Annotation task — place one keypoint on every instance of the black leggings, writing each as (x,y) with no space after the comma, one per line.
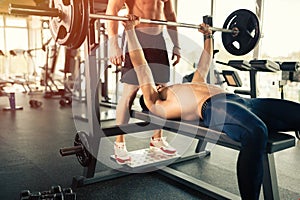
(249,121)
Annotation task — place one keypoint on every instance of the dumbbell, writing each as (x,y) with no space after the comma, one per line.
(55,192)
(35,103)
(25,194)
(40,196)
(58,194)
(68,194)
(65,101)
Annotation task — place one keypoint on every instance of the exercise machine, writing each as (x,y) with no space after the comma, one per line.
(7,83)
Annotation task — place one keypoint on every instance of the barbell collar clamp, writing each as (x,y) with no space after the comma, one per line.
(67,151)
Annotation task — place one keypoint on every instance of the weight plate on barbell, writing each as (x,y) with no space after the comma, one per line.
(84,157)
(63,28)
(247,24)
(83,24)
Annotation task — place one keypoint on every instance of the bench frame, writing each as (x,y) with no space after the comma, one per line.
(203,134)
(278,142)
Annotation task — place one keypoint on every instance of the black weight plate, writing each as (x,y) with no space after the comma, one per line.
(25,193)
(83,23)
(84,157)
(67,191)
(55,189)
(248,36)
(62,102)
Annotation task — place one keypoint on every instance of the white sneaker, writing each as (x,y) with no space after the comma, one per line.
(121,153)
(162,145)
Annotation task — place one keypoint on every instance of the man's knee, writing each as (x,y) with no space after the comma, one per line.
(128,96)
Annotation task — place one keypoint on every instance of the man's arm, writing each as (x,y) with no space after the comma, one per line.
(115,52)
(204,63)
(172,30)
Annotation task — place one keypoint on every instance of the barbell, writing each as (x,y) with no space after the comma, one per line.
(69,22)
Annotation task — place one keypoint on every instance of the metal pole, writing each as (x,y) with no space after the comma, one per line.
(259,12)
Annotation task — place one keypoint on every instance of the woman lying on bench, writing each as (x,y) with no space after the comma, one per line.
(247,121)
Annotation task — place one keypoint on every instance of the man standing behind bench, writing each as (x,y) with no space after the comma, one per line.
(151,38)
(244,120)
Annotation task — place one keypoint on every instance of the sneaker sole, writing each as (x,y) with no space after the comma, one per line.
(152,148)
(121,161)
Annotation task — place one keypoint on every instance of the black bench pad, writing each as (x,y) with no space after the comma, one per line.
(277,140)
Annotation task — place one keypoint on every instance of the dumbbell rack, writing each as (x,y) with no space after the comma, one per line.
(55,193)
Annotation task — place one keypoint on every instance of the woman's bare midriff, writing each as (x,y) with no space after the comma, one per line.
(190,97)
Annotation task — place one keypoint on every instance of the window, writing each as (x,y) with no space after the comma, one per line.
(2,57)
(16,22)
(2,47)
(1,21)
(16,38)
(281,39)
(190,40)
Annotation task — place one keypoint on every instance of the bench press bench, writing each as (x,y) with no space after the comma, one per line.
(94,131)
(277,141)
(195,129)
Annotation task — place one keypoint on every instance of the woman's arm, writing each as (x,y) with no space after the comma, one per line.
(140,64)
(206,56)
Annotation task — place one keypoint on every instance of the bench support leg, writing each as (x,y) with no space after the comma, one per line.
(270,186)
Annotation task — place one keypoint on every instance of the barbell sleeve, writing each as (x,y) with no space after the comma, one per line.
(33,10)
(71,150)
(223,30)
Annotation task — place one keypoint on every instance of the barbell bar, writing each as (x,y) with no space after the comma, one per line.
(54,12)
(160,22)
(241,27)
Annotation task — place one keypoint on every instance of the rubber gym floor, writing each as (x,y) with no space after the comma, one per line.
(30,140)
